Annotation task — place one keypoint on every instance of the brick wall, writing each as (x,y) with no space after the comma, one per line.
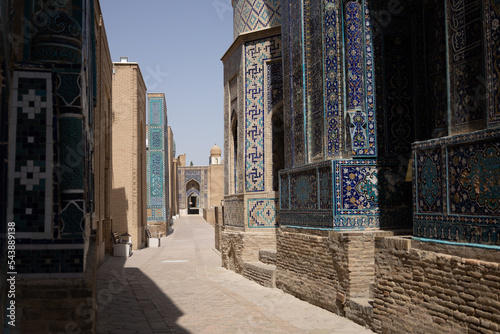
(218,226)
(129,153)
(238,247)
(306,268)
(55,306)
(326,268)
(422,291)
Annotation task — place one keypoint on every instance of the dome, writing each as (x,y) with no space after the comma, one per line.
(215,151)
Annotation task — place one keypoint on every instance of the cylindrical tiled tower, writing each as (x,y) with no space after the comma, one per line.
(250,15)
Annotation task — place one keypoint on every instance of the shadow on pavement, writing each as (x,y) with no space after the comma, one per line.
(128,301)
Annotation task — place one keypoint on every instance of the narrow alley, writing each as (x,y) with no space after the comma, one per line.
(182,288)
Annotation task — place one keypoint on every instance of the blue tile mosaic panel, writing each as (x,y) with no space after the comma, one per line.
(471,182)
(360,104)
(346,195)
(192,175)
(396,84)
(256,53)
(181,189)
(251,15)
(306,196)
(428,167)
(71,163)
(156,139)
(304,190)
(466,55)
(49,261)
(30,192)
(262,213)
(285,192)
(187,175)
(72,219)
(437,92)
(492,17)
(354,54)
(326,190)
(287,104)
(274,84)
(333,117)
(156,108)
(356,187)
(474,179)
(156,191)
(314,79)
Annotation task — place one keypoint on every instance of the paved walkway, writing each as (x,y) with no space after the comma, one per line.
(182,288)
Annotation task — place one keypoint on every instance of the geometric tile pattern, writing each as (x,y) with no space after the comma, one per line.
(274,84)
(313,65)
(356,187)
(256,53)
(156,158)
(304,201)
(345,195)
(429,190)
(492,17)
(262,213)
(196,178)
(293,82)
(31,154)
(370,148)
(456,187)
(333,118)
(251,15)
(359,79)
(474,179)
(465,62)
(354,54)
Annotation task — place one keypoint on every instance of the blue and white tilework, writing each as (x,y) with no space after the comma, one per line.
(456,187)
(156,157)
(252,15)
(256,54)
(262,213)
(31,155)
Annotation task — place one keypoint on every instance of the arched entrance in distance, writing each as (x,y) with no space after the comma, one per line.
(193,197)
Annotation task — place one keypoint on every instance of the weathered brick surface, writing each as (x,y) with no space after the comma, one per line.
(324,268)
(267,256)
(238,247)
(259,272)
(218,226)
(54,306)
(307,269)
(420,291)
(360,310)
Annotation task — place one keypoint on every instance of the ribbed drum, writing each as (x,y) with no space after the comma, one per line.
(252,15)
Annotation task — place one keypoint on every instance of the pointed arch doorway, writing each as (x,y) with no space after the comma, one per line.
(193,197)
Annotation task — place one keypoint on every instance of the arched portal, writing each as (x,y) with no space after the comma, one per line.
(193,197)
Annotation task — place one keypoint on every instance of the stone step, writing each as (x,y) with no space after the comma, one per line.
(360,310)
(262,273)
(267,256)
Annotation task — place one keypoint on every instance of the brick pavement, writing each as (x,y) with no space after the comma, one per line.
(182,288)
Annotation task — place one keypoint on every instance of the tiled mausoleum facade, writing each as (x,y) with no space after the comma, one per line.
(386,113)
(56,93)
(157,163)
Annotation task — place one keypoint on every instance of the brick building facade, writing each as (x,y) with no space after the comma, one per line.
(129,194)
